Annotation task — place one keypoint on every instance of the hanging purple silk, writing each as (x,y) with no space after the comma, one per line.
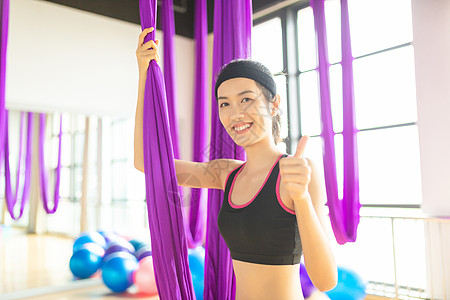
(43,175)
(4,15)
(198,196)
(232,40)
(168,28)
(344,214)
(11,200)
(169,246)
(351,171)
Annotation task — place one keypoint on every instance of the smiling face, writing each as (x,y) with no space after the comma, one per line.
(244,112)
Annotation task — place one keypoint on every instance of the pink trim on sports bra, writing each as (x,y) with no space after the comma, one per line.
(228,176)
(257,193)
(279,197)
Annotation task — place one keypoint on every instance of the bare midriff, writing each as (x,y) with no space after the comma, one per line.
(258,281)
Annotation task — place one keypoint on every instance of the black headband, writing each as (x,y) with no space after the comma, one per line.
(246,69)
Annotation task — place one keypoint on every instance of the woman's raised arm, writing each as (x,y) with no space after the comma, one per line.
(144,53)
(301,184)
(211,174)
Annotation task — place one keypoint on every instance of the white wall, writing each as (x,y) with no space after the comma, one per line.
(67,60)
(63,59)
(431,27)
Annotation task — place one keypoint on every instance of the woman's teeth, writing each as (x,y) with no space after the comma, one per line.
(240,128)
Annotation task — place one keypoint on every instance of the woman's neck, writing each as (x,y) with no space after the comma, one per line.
(260,155)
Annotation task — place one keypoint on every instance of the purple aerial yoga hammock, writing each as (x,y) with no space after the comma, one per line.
(344,214)
(168,27)
(167,232)
(4,15)
(43,175)
(11,200)
(232,40)
(198,196)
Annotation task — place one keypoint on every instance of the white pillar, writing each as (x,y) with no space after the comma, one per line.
(431,29)
(36,215)
(85,180)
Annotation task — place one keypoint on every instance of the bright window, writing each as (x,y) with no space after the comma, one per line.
(384,86)
(378,25)
(267,44)
(267,48)
(386,116)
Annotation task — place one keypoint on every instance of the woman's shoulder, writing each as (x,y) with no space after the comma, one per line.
(223,167)
(226,164)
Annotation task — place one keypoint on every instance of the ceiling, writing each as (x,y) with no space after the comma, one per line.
(128,10)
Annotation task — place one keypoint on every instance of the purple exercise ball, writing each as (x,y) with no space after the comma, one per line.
(307,286)
(109,236)
(119,245)
(142,252)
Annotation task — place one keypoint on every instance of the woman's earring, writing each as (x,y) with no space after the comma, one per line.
(274,111)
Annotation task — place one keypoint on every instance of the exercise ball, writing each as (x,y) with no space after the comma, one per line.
(118,246)
(109,236)
(86,260)
(137,244)
(89,237)
(350,286)
(351,279)
(341,293)
(197,266)
(117,271)
(142,252)
(144,277)
(307,286)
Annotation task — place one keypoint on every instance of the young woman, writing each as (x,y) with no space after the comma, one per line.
(273,208)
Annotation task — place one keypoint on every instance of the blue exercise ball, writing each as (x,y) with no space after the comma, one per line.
(351,279)
(343,293)
(197,266)
(86,260)
(117,271)
(89,237)
(350,286)
(137,244)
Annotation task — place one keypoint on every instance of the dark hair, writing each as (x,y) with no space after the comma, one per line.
(276,120)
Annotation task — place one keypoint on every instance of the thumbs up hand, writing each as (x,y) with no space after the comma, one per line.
(295,174)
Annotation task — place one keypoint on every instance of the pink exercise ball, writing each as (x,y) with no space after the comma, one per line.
(144,277)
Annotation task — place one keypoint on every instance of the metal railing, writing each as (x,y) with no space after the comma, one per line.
(402,254)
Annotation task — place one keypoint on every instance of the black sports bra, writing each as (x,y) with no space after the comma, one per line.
(263,230)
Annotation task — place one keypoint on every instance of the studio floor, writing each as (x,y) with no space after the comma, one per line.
(37,267)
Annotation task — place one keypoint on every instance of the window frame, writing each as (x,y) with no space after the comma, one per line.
(288,16)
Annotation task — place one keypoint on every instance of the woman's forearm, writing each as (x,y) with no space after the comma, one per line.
(138,125)
(319,259)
